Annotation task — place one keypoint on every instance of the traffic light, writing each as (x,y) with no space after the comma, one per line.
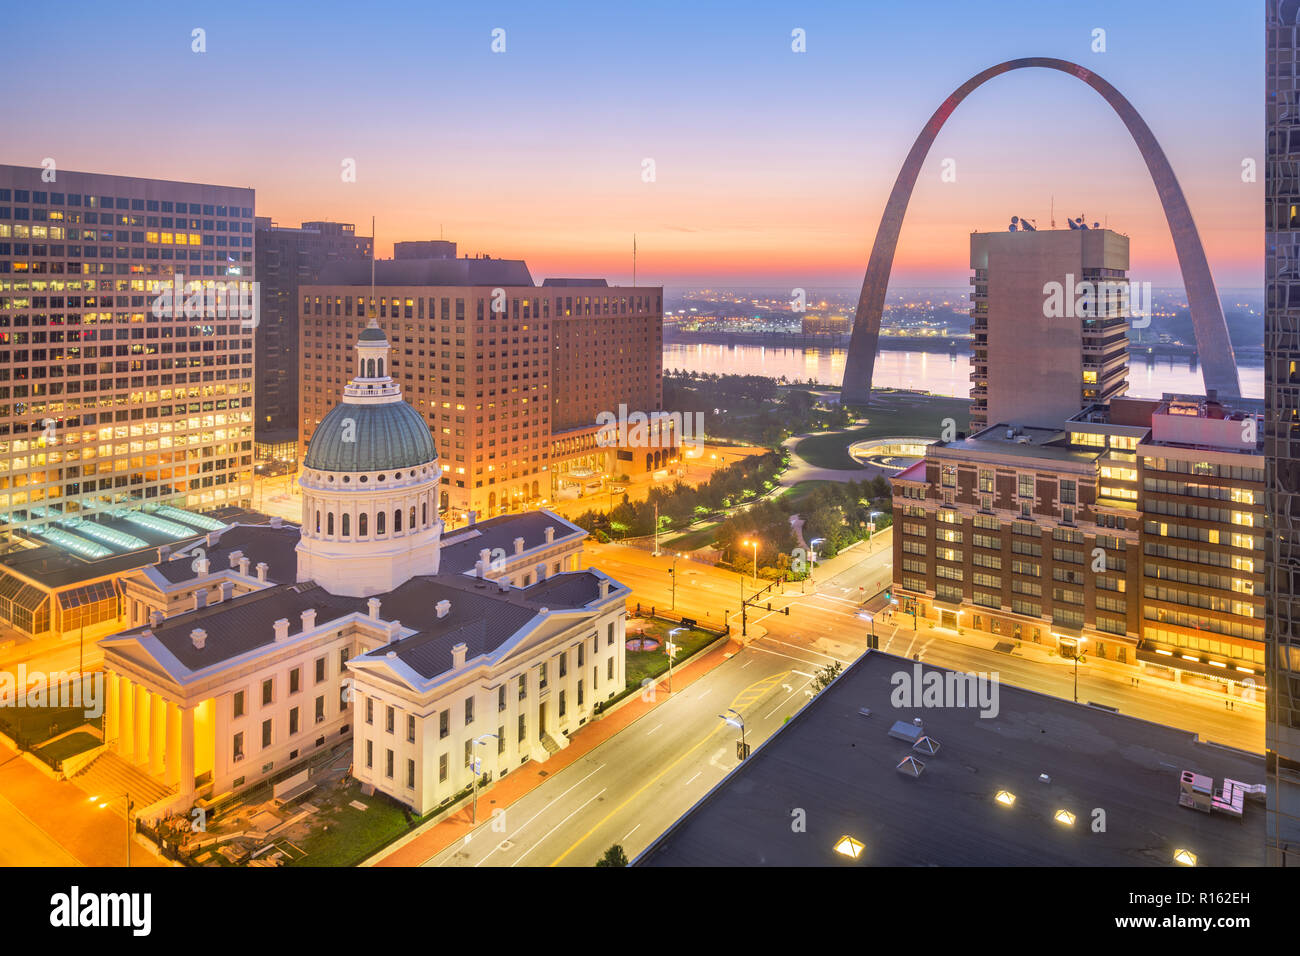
(886,594)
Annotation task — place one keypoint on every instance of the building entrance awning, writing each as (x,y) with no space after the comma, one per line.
(1200,666)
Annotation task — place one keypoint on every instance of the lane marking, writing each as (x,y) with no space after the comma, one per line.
(694,778)
(556,827)
(630,832)
(656,727)
(533,817)
(649,783)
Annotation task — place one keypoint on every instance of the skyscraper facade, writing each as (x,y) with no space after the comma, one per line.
(1049,312)
(509,375)
(114,390)
(1282,431)
(287,257)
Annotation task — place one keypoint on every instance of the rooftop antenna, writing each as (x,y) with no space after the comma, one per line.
(370,311)
(634,260)
(1053,213)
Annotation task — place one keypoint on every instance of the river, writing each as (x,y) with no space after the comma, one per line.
(938,372)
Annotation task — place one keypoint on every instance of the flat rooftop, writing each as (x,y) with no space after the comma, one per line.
(839,768)
(1030,441)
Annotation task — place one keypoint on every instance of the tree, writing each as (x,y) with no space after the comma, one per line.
(825,675)
(614,856)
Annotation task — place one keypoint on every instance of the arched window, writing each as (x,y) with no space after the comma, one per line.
(379,522)
(535,486)
(411,524)
(318,522)
(397,520)
(329,523)
(492,502)
(361,524)
(424,514)
(381,368)
(370,368)
(347,525)
(445,500)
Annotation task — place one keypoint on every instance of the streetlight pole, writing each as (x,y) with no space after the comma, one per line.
(673,572)
(739,722)
(754,544)
(474,768)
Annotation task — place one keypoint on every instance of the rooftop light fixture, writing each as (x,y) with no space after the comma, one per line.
(1065,817)
(847,846)
(1185,857)
(1006,798)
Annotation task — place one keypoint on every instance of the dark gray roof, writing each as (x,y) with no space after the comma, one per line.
(575,589)
(411,272)
(275,546)
(372,333)
(370,438)
(500,532)
(247,622)
(839,766)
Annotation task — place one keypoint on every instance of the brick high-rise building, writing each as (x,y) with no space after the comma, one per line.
(286,258)
(1135,529)
(509,375)
(1038,359)
(107,403)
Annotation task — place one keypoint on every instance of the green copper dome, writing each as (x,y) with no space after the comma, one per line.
(372,334)
(370,438)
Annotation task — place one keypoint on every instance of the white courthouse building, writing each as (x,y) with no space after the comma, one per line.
(251,650)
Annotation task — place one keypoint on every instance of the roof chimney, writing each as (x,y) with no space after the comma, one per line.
(213,538)
(373,605)
(156,618)
(277,521)
(541,573)
(458,655)
(227,590)
(519,545)
(200,599)
(308,619)
(604,588)
(243,566)
(281,630)
(550,534)
(164,553)
(443,608)
(394,630)
(198,637)
(261,571)
(235,558)
(485,559)
(473,517)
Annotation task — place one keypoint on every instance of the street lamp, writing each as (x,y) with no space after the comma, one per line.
(474,765)
(812,560)
(753,544)
(738,722)
(673,572)
(671,648)
(1074,643)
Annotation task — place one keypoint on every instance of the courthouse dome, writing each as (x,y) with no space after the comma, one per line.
(370,438)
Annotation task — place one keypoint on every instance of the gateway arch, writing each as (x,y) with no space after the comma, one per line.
(1218,364)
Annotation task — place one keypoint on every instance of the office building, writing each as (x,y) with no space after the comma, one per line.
(1134,532)
(122,385)
(509,375)
(1282,428)
(1049,313)
(286,258)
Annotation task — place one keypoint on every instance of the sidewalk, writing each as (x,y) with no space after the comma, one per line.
(62,813)
(414,850)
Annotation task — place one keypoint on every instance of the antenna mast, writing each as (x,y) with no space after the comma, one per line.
(634,260)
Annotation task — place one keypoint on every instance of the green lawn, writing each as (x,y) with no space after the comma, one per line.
(38,724)
(643,664)
(797,493)
(699,538)
(891,414)
(352,834)
(68,746)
